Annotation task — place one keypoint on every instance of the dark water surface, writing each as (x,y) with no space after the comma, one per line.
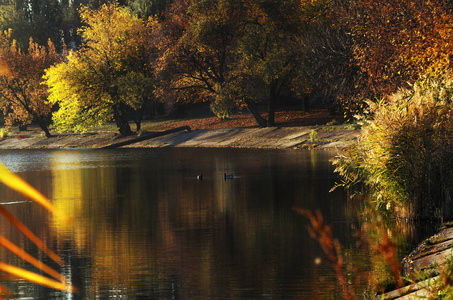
(145,228)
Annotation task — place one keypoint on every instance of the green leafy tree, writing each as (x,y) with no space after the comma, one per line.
(23,97)
(269,53)
(41,20)
(6,12)
(108,76)
(57,20)
(235,53)
(147,8)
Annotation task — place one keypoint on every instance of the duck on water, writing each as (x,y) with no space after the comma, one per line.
(228,176)
(225,176)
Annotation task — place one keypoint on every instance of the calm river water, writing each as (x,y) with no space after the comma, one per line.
(144,227)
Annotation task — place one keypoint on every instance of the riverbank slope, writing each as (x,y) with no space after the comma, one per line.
(320,137)
(295,129)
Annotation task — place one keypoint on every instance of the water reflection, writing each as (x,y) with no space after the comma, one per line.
(144,226)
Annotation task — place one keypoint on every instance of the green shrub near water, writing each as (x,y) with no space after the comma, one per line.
(404,156)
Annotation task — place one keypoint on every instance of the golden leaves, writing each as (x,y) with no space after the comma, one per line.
(4,69)
(112,70)
(409,37)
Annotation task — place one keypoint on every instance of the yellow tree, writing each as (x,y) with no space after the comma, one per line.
(108,76)
(24,98)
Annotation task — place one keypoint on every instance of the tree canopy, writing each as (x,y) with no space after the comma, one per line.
(197,41)
(108,76)
(23,97)
(270,56)
(397,42)
(231,54)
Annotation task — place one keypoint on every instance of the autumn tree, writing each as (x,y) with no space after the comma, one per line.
(236,53)
(330,74)
(226,53)
(397,41)
(108,76)
(293,49)
(269,52)
(23,97)
(198,42)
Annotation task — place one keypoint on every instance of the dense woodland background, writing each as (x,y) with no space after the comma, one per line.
(120,61)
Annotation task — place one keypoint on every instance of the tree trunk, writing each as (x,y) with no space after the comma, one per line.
(274,93)
(138,116)
(123,126)
(306,103)
(121,121)
(138,125)
(42,124)
(271,111)
(254,111)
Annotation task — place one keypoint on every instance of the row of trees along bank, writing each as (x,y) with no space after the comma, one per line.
(124,56)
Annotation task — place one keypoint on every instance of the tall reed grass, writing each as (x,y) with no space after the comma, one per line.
(404,156)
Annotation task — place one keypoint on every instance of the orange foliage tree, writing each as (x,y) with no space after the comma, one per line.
(397,41)
(23,97)
(197,41)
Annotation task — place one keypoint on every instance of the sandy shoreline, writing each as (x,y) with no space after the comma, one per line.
(319,137)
